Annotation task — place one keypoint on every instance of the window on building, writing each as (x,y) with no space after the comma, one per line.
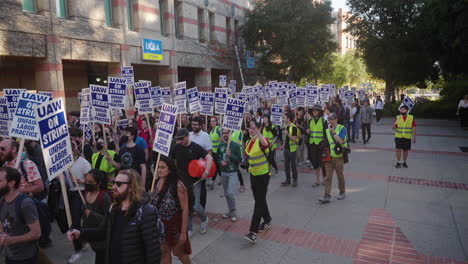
(177,18)
(61,8)
(108,10)
(162,19)
(347,42)
(211,22)
(236,32)
(201,25)
(228,31)
(29,5)
(129,14)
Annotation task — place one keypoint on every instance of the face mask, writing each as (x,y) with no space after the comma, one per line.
(403,113)
(124,139)
(90,187)
(99,146)
(4,191)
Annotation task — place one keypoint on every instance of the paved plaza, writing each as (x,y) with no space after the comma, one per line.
(413,215)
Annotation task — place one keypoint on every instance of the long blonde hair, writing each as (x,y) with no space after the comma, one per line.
(135,191)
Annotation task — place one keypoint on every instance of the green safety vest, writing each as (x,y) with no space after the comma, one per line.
(316,131)
(105,166)
(269,135)
(214,136)
(258,162)
(405,128)
(332,142)
(293,144)
(237,137)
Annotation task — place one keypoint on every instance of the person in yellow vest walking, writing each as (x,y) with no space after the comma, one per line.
(215,136)
(291,141)
(336,136)
(107,161)
(316,132)
(405,129)
(270,132)
(259,168)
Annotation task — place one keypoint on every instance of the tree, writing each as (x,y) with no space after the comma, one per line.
(392,47)
(292,37)
(348,69)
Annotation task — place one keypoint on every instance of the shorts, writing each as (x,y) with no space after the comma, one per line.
(315,156)
(403,143)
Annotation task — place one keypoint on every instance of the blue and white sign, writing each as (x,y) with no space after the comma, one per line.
(341,92)
(4,119)
(55,140)
(180,97)
(324,93)
(277,114)
(234,114)
(163,138)
(282,94)
(193,100)
(87,131)
(127,74)
(349,96)
(166,95)
(292,98)
(244,97)
(207,103)
(301,95)
(220,100)
(122,124)
(312,95)
(50,94)
(100,104)
(233,86)
(273,86)
(222,80)
(12,99)
(408,102)
(143,97)
(117,92)
(152,49)
(24,121)
(156,96)
(250,59)
(362,94)
(85,113)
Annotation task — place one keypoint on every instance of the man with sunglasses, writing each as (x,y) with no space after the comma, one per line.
(185,151)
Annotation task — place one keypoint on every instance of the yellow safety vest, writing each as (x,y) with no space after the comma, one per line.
(292,144)
(405,128)
(316,131)
(269,135)
(332,142)
(105,165)
(237,137)
(214,136)
(258,162)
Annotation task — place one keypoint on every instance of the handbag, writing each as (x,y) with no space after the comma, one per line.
(340,149)
(325,154)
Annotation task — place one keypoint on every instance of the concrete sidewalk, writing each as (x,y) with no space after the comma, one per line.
(414,215)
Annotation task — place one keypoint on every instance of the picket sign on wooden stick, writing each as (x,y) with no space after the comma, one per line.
(105,137)
(148,124)
(65,199)
(155,175)
(20,150)
(93,134)
(180,120)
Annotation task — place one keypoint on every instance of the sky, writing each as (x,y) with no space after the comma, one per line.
(339,4)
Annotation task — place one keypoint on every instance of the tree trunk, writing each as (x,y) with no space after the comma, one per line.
(389,90)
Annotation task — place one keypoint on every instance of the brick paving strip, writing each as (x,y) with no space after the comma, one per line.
(382,241)
(422,135)
(450,153)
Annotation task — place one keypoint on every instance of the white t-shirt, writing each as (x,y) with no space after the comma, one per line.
(462,104)
(78,170)
(351,114)
(379,105)
(203,139)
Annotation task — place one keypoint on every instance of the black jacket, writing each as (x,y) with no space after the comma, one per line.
(140,238)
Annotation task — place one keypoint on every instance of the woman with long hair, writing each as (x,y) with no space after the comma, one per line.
(171,198)
(270,132)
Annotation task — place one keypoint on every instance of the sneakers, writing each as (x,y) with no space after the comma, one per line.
(299,164)
(294,184)
(233,216)
(190,233)
(341,196)
(405,165)
(264,226)
(210,186)
(276,172)
(242,188)
(307,161)
(285,183)
(324,199)
(398,165)
(204,226)
(75,257)
(251,237)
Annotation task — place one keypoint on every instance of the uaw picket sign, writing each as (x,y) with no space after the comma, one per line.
(143,97)
(277,114)
(55,140)
(193,100)
(220,100)
(222,80)
(117,92)
(166,125)
(301,94)
(122,124)
(156,99)
(100,104)
(12,99)
(4,119)
(24,121)
(127,74)
(207,103)
(180,97)
(234,114)
(244,97)
(85,112)
(166,95)
(87,132)
(312,95)
(47,93)
(408,102)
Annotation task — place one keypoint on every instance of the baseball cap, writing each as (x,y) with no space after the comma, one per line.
(182,132)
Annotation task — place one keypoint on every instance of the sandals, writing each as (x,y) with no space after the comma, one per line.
(315,185)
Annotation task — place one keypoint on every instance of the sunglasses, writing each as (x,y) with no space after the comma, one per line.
(119,183)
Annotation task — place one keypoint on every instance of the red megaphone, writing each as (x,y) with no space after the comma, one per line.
(197,167)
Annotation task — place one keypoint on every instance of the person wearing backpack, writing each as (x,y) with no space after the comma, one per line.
(131,228)
(19,220)
(291,142)
(98,202)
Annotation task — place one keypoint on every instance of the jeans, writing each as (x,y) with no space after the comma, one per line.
(273,160)
(357,125)
(336,164)
(197,207)
(240,177)
(229,180)
(378,114)
(290,164)
(301,150)
(75,209)
(366,128)
(350,126)
(259,186)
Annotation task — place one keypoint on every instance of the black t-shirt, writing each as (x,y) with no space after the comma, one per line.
(183,156)
(120,221)
(131,158)
(294,133)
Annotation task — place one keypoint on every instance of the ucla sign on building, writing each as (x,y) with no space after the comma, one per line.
(152,50)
